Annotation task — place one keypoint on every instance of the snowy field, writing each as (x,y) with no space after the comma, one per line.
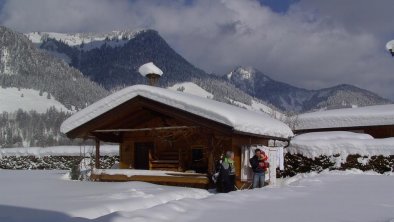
(42,196)
(12,99)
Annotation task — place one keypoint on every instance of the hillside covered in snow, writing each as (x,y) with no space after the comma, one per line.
(12,99)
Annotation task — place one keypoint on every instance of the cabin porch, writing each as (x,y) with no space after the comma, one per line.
(180,156)
(172,178)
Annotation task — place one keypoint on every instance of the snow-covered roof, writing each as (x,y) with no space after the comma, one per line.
(315,144)
(390,45)
(239,119)
(149,68)
(350,117)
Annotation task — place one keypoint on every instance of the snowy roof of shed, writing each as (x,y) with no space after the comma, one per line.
(390,45)
(239,119)
(380,115)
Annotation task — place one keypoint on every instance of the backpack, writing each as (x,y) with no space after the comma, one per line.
(218,168)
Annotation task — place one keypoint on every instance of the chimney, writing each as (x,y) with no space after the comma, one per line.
(151,72)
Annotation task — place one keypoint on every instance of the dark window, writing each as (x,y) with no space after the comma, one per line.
(197,155)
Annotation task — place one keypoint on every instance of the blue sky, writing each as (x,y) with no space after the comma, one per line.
(280,6)
(307,43)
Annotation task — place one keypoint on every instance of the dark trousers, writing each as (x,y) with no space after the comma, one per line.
(229,184)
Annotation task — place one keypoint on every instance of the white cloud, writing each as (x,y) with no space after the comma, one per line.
(315,44)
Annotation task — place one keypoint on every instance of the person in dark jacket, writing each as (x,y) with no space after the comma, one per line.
(227,173)
(258,163)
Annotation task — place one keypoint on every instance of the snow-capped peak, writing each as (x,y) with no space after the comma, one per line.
(85,41)
(242,73)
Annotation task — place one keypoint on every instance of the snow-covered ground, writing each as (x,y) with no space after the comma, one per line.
(11,99)
(41,196)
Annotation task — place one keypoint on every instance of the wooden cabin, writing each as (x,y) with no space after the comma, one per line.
(377,121)
(176,135)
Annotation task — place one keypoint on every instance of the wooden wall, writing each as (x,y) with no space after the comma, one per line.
(165,146)
(213,145)
(237,142)
(375,131)
(380,132)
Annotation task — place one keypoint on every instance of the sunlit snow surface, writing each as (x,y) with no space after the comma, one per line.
(46,196)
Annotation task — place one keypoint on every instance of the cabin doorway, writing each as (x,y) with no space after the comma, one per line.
(141,155)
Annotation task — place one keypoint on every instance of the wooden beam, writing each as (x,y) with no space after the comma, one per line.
(145,129)
(211,161)
(261,136)
(114,137)
(97,160)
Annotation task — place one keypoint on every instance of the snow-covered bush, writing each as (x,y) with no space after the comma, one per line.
(338,151)
(297,163)
(49,162)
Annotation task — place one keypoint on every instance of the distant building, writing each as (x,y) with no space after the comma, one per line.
(377,121)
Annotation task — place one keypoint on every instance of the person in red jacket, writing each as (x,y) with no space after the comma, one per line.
(264,163)
(259,163)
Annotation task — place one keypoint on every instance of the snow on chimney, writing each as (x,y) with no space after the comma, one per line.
(150,71)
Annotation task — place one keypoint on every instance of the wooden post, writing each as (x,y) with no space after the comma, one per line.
(211,161)
(97,160)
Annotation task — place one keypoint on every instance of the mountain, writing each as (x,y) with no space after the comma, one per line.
(38,91)
(112,59)
(42,83)
(24,66)
(294,99)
